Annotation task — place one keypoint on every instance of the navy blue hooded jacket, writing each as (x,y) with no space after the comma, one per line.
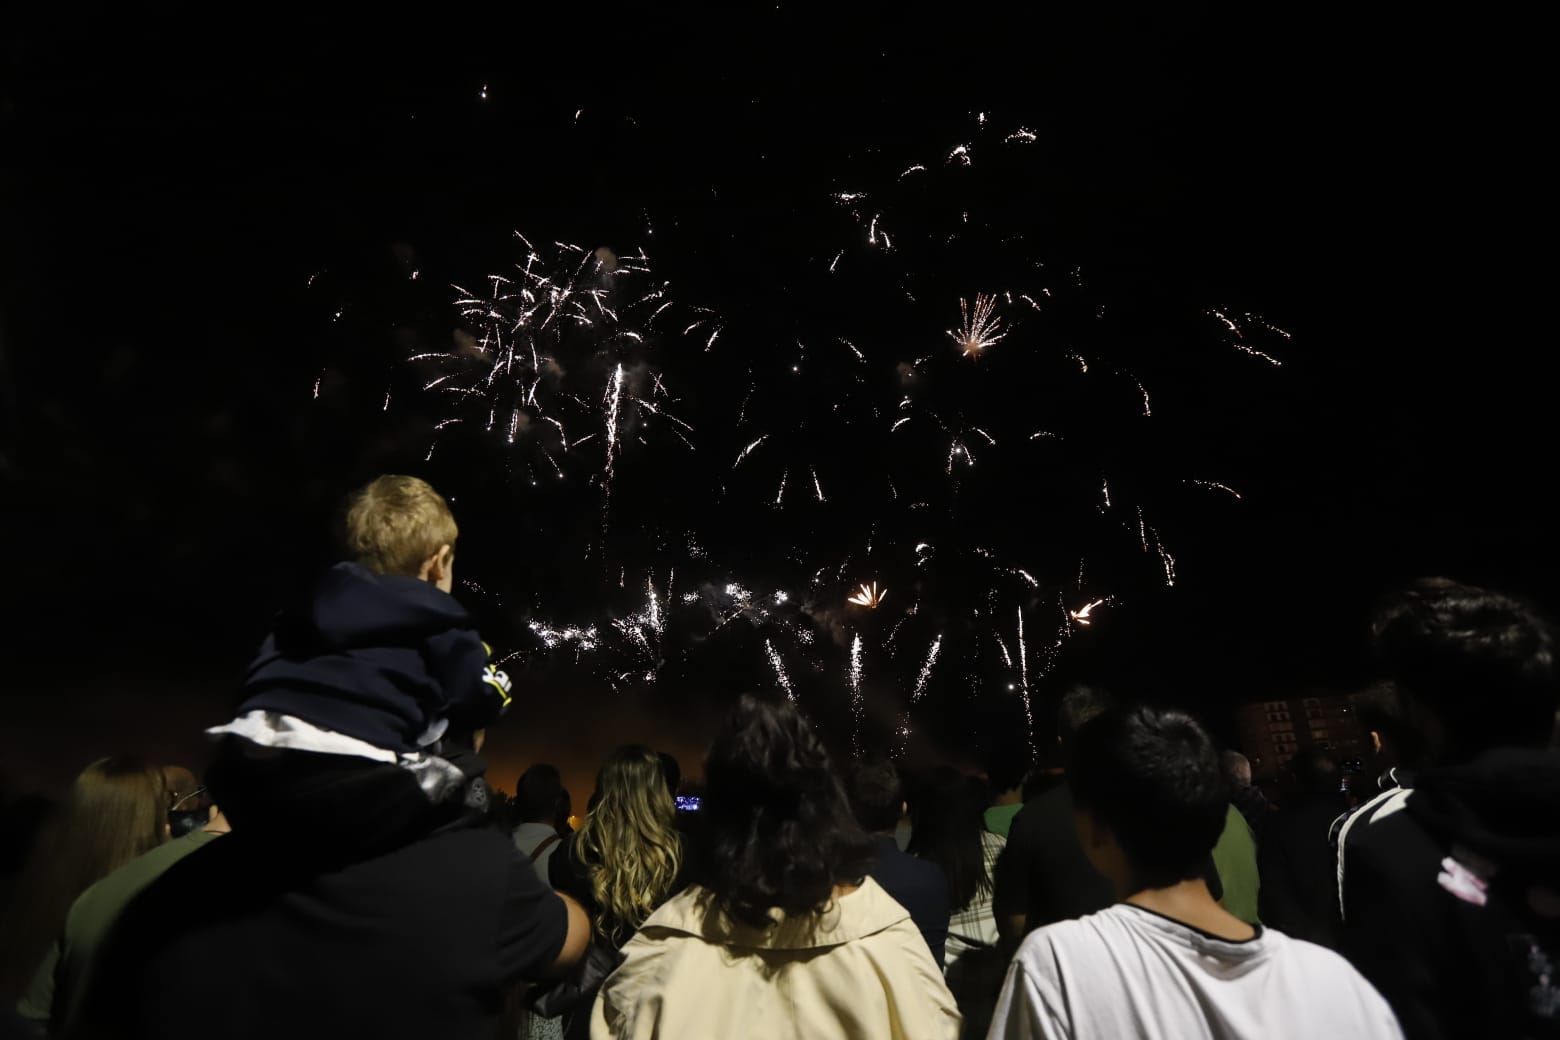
(379,657)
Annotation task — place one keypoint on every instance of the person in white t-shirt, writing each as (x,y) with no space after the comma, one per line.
(1167,961)
(542,805)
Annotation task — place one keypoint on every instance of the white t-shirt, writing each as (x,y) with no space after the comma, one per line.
(528,838)
(1129,972)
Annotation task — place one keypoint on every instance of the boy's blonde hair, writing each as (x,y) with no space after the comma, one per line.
(394,523)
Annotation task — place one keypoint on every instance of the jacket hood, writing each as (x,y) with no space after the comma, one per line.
(382,658)
(352,608)
(866,911)
(1500,805)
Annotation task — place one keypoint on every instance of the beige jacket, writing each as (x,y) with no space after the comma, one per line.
(858,970)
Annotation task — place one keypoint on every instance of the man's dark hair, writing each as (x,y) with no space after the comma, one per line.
(776,828)
(1007,766)
(1078,705)
(539,796)
(877,795)
(1317,773)
(1482,662)
(670,771)
(1152,776)
(1379,708)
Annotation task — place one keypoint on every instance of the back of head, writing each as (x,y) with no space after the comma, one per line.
(1481,664)
(877,794)
(395,523)
(1152,776)
(117,810)
(776,826)
(539,795)
(1237,769)
(629,841)
(1078,705)
(670,770)
(1317,774)
(1007,766)
(947,830)
(1379,709)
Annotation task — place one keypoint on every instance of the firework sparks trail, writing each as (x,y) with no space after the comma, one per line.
(979,328)
(780,495)
(1023,679)
(857,704)
(836,261)
(902,731)
(1238,337)
(818,487)
(854,349)
(779,666)
(926,670)
(1214,484)
(1164,558)
(1023,135)
(745,452)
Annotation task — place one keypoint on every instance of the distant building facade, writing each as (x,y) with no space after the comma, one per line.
(1271,732)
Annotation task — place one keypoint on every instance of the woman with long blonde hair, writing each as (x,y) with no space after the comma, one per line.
(117,809)
(622,864)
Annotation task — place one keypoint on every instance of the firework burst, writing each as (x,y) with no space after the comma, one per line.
(979,328)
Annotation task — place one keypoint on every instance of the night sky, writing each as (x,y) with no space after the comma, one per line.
(171,186)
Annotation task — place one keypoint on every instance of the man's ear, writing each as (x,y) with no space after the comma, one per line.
(435,567)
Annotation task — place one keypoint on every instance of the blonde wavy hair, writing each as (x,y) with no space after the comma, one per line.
(629,842)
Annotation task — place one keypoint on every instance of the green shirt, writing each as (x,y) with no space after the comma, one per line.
(999,818)
(62,978)
(1235,856)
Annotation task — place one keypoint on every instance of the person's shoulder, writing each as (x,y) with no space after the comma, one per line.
(1044,943)
(1387,831)
(1326,970)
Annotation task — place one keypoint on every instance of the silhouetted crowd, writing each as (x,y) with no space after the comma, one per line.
(345,870)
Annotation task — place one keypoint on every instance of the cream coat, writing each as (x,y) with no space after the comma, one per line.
(858,970)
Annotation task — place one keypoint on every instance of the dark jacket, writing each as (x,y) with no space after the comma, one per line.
(1450,903)
(253,937)
(1042,873)
(379,657)
(1299,871)
(916,885)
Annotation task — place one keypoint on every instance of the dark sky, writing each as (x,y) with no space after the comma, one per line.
(170,186)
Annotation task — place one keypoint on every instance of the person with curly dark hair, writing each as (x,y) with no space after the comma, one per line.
(783,933)
(1450,895)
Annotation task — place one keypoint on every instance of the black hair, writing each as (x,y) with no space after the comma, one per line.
(1152,776)
(670,771)
(1379,708)
(1316,771)
(1007,765)
(877,794)
(1078,705)
(947,830)
(539,796)
(776,829)
(1480,661)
